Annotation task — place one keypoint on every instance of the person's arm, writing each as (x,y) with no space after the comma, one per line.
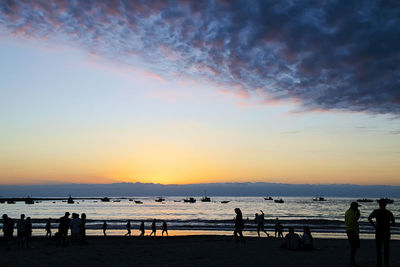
(262,212)
(392,222)
(370,217)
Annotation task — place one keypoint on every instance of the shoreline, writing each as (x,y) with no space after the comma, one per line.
(201,250)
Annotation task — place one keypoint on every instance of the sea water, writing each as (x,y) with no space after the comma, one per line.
(325,218)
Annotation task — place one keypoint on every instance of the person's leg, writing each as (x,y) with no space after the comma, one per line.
(378,241)
(386,247)
(235,234)
(258,231)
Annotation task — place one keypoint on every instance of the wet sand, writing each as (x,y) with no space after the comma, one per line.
(189,251)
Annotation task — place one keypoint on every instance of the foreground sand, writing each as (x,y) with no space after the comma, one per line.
(189,251)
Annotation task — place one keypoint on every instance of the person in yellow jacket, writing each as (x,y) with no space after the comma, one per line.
(353,233)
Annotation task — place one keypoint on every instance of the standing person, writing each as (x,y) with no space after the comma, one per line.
(75,223)
(48,228)
(63,228)
(28,231)
(239,225)
(128,227)
(82,229)
(141,228)
(164,228)
(8,230)
(21,235)
(260,223)
(353,233)
(384,219)
(153,228)
(278,228)
(104,228)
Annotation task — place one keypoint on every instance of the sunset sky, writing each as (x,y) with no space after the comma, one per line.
(199,91)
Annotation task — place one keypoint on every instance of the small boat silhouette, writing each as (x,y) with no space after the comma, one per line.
(364,200)
(10,202)
(279,200)
(29,200)
(205,198)
(138,202)
(319,199)
(160,199)
(189,200)
(268,198)
(70,200)
(105,199)
(225,201)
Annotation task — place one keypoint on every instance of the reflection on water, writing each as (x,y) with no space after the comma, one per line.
(212,217)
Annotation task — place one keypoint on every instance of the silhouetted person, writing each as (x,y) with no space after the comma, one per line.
(164,228)
(384,219)
(353,233)
(278,228)
(28,231)
(48,228)
(128,227)
(82,229)
(21,228)
(104,228)
(307,240)
(239,225)
(63,228)
(8,230)
(75,223)
(259,221)
(141,228)
(153,228)
(292,240)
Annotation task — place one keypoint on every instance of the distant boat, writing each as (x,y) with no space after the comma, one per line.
(10,202)
(225,201)
(138,202)
(177,200)
(160,199)
(364,200)
(2,201)
(130,199)
(29,200)
(279,200)
(105,199)
(268,198)
(189,200)
(117,200)
(205,198)
(70,200)
(319,199)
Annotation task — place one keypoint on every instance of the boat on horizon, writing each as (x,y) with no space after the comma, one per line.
(29,201)
(159,199)
(279,200)
(225,201)
(10,202)
(268,198)
(319,199)
(138,202)
(189,200)
(105,199)
(70,200)
(361,200)
(205,198)
(117,200)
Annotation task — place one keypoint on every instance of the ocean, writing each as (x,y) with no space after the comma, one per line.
(325,218)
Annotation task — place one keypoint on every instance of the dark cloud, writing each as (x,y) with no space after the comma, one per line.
(326,54)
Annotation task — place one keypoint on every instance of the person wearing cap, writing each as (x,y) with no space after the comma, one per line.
(353,233)
(384,219)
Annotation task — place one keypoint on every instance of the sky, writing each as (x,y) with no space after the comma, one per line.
(199,92)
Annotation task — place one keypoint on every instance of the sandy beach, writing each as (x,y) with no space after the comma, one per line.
(189,251)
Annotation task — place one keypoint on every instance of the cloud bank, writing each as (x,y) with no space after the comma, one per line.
(324,54)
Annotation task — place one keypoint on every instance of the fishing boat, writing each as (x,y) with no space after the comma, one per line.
(29,200)
(138,202)
(177,200)
(105,199)
(160,199)
(117,200)
(268,198)
(70,200)
(225,201)
(364,200)
(189,200)
(319,199)
(279,200)
(205,198)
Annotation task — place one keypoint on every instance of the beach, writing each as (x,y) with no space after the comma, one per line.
(189,251)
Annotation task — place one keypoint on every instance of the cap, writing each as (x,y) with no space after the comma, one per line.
(355,204)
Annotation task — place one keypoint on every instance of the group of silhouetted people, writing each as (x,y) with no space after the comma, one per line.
(383,220)
(142,228)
